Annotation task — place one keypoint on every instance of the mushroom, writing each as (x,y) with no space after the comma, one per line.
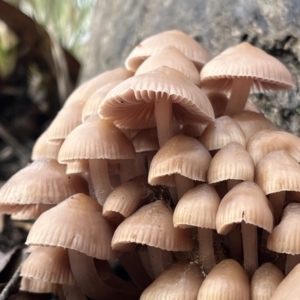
(241,68)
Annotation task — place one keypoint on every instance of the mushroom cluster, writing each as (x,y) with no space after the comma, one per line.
(165,168)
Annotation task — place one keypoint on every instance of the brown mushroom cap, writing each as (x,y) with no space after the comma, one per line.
(131,103)
(285,237)
(180,281)
(44,181)
(172,58)
(231,162)
(245,202)
(180,155)
(221,132)
(154,44)
(265,281)
(92,237)
(267,141)
(226,281)
(151,225)
(247,61)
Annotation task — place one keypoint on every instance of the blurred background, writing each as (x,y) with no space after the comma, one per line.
(49,47)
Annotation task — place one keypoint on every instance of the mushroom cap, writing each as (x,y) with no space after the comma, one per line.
(245,60)
(151,225)
(226,281)
(252,122)
(96,139)
(131,103)
(180,155)
(221,132)
(37,286)
(154,44)
(198,207)
(43,181)
(244,202)
(146,140)
(44,148)
(50,264)
(285,237)
(65,121)
(91,105)
(266,141)
(172,58)
(84,91)
(231,162)
(28,211)
(289,288)
(265,281)
(77,166)
(277,172)
(60,226)
(182,280)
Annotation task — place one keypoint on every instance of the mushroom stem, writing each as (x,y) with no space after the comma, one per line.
(206,249)
(291,262)
(127,170)
(163,116)
(183,184)
(132,263)
(277,201)
(235,243)
(100,179)
(159,259)
(91,284)
(144,257)
(140,164)
(239,94)
(249,236)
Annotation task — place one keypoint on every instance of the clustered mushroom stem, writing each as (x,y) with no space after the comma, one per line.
(291,262)
(206,249)
(231,183)
(239,94)
(100,179)
(277,201)
(160,260)
(141,164)
(71,292)
(89,281)
(249,236)
(183,184)
(90,186)
(163,118)
(127,170)
(235,243)
(144,256)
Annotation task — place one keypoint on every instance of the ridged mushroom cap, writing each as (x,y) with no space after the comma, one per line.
(154,44)
(131,104)
(61,227)
(245,60)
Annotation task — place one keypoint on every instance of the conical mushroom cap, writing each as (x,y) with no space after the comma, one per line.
(226,281)
(174,59)
(265,281)
(245,202)
(93,102)
(244,60)
(221,132)
(198,207)
(131,104)
(289,288)
(151,225)
(231,162)
(84,91)
(180,281)
(252,122)
(285,237)
(180,155)
(49,264)
(154,44)
(278,172)
(267,141)
(96,139)
(61,227)
(44,181)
